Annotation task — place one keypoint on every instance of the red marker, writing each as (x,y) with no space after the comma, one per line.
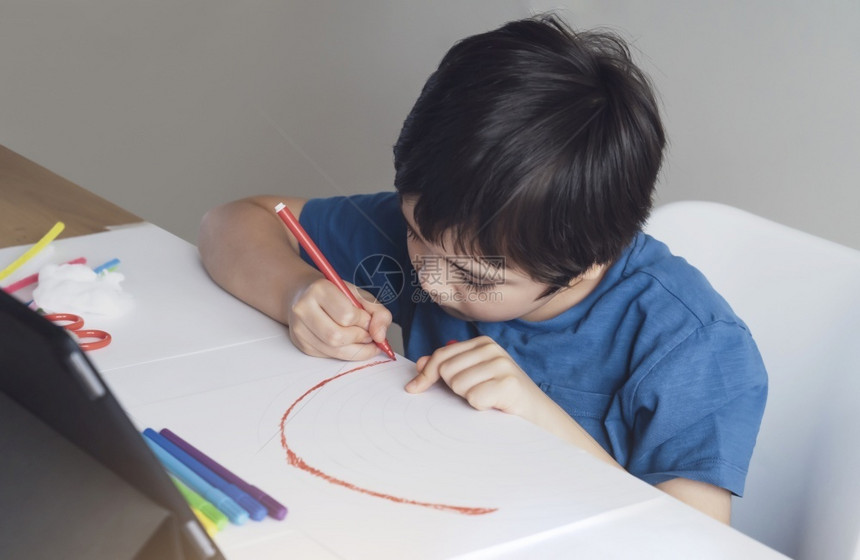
(322,263)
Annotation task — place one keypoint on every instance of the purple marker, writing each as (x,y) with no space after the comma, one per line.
(275,509)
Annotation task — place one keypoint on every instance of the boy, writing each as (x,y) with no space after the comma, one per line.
(524,174)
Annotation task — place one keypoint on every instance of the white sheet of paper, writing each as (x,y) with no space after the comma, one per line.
(365,430)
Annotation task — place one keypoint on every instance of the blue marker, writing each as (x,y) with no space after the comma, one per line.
(275,508)
(113,263)
(257,510)
(231,509)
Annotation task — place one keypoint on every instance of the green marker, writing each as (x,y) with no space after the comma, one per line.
(200,503)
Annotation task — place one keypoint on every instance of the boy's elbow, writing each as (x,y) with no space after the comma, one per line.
(707,498)
(211,230)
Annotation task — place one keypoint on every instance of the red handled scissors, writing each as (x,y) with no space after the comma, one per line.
(88,339)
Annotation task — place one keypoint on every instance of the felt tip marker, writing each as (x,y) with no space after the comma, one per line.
(276,510)
(254,508)
(110,265)
(231,509)
(201,504)
(32,251)
(208,525)
(322,263)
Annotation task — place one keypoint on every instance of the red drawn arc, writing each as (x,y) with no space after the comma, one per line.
(296,461)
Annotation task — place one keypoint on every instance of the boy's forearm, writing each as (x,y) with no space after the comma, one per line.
(707,498)
(249,253)
(556,420)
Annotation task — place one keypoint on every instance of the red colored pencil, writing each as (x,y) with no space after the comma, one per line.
(322,263)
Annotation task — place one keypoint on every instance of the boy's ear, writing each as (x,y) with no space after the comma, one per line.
(591,273)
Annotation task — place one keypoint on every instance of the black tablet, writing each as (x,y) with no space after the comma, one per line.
(77,479)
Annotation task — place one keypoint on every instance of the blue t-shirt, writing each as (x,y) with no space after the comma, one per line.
(653,363)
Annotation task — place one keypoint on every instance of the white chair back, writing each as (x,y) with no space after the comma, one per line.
(800,297)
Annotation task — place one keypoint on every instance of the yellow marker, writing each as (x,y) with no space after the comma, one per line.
(200,504)
(207,523)
(31,252)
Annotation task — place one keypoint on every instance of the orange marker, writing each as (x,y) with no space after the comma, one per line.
(322,263)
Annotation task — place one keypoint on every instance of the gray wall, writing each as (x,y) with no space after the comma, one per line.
(168,108)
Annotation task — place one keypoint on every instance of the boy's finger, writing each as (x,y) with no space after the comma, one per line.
(338,306)
(303,340)
(420,383)
(428,372)
(306,341)
(463,376)
(422,361)
(356,352)
(314,346)
(380,320)
(425,378)
(330,333)
(345,314)
(484,395)
(466,361)
(335,336)
(380,316)
(429,366)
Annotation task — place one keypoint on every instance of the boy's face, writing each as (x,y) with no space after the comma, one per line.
(485,288)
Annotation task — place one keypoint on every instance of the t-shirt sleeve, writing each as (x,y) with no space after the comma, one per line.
(697,413)
(363,237)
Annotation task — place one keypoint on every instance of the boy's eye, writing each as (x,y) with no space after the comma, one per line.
(459,275)
(480,286)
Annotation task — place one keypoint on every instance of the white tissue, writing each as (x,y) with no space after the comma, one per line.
(75,288)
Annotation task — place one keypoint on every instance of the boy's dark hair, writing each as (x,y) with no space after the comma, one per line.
(536,143)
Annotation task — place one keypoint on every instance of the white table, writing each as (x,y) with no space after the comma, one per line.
(192,358)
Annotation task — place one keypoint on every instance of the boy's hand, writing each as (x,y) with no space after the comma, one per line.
(483,373)
(323,322)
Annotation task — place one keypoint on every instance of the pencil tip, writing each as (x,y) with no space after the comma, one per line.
(386,347)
